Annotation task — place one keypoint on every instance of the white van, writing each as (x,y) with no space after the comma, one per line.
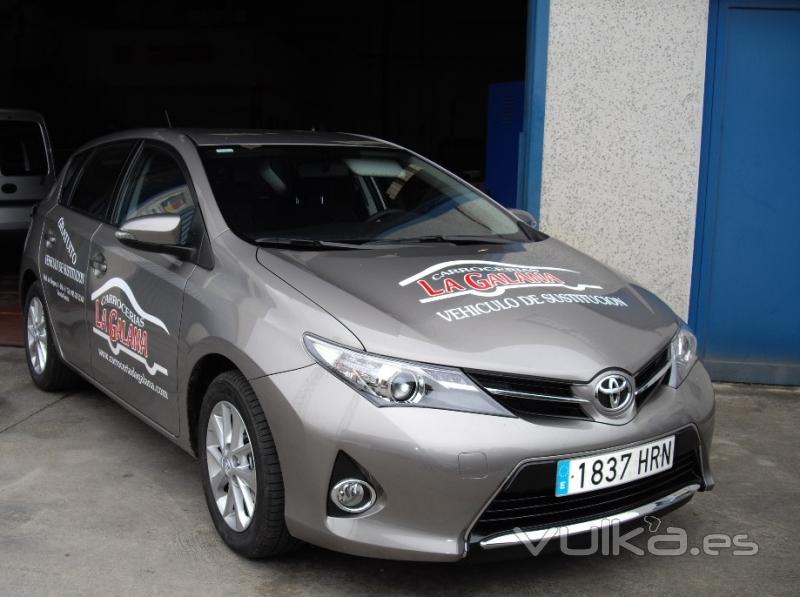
(26,166)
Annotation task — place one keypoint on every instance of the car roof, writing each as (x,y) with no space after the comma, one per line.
(269,137)
(214,137)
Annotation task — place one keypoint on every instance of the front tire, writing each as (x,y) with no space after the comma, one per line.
(241,474)
(47,369)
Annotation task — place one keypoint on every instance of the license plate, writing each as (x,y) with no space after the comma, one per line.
(579,475)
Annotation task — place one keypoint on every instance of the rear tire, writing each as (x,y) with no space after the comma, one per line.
(47,369)
(249,519)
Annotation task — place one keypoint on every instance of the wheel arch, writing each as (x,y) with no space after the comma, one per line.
(203,373)
(207,364)
(26,280)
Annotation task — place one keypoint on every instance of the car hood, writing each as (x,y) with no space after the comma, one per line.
(541,309)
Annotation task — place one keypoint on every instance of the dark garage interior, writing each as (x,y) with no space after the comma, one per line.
(416,73)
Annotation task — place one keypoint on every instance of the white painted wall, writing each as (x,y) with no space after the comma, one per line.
(622,134)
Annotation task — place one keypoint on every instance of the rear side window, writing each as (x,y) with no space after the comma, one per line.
(71,176)
(158,186)
(94,190)
(22,151)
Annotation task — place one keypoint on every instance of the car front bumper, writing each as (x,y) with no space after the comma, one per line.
(438,470)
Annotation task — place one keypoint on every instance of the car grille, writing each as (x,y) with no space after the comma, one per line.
(528,501)
(532,397)
(529,396)
(653,373)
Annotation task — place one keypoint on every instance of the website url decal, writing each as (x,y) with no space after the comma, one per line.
(141,378)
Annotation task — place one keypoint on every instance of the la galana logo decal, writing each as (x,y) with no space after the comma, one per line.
(123,323)
(452,279)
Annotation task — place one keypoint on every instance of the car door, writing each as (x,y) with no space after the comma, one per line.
(86,199)
(26,168)
(136,295)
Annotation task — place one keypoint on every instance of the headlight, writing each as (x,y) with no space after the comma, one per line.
(683,353)
(391,382)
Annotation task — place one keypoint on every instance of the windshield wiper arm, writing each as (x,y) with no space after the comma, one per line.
(303,243)
(313,243)
(441,238)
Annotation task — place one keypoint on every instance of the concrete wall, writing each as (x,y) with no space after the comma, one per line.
(622,135)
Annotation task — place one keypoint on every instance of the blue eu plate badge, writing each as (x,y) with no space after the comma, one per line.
(562,478)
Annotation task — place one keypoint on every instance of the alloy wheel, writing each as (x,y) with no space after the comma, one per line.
(37,335)
(231,466)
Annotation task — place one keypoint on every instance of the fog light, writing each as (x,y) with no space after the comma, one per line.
(353,495)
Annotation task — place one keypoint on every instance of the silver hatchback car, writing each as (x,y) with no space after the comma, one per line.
(365,352)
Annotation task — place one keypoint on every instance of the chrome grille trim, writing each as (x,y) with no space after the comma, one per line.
(657,377)
(533,395)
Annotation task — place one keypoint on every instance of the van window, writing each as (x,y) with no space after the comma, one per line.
(22,151)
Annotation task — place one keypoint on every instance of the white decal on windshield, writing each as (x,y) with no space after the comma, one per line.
(452,279)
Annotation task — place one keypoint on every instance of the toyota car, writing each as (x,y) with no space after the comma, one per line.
(364,352)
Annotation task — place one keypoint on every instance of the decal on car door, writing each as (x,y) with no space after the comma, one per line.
(126,327)
(68,272)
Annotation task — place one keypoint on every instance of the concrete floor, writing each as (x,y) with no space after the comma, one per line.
(93,502)
(10,316)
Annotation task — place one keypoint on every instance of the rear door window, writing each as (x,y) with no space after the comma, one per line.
(72,175)
(22,151)
(94,190)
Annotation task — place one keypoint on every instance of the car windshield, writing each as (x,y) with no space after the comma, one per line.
(298,194)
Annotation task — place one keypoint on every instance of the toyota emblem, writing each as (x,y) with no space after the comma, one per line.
(613,392)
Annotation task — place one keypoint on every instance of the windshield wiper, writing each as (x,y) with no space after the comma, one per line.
(318,244)
(441,238)
(304,243)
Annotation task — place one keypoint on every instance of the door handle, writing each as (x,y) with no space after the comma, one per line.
(98,265)
(49,239)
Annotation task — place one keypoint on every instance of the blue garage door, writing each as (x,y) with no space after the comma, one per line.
(506,102)
(746,301)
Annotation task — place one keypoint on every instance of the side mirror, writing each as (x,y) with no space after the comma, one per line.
(159,233)
(526,217)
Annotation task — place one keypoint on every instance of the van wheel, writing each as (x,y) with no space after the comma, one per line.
(47,369)
(241,474)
